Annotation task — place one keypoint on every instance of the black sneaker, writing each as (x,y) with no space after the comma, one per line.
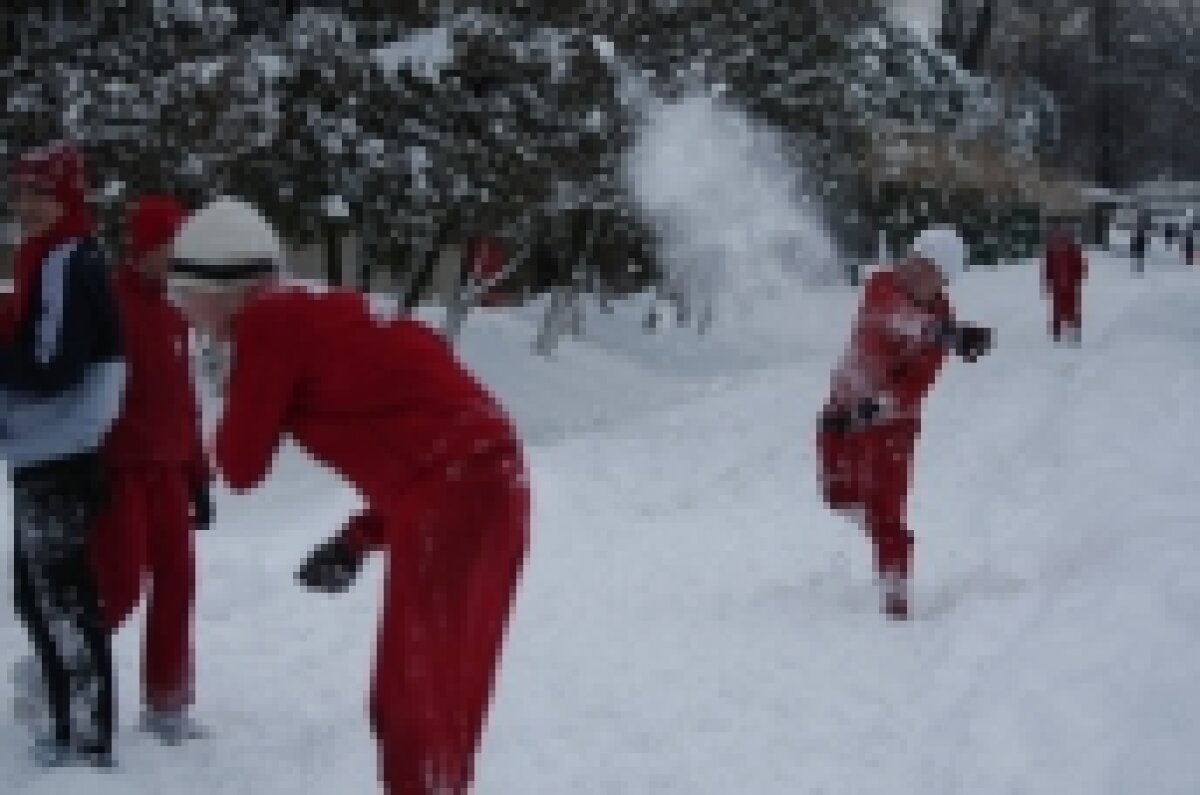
(95,758)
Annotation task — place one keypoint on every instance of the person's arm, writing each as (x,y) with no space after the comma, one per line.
(260,389)
(35,430)
(64,391)
(916,360)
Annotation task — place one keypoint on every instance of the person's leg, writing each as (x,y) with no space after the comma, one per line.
(52,526)
(889,471)
(454,561)
(504,512)
(398,721)
(23,604)
(1058,312)
(839,468)
(1076,312)
(167,669)
(118,546)
(30,697)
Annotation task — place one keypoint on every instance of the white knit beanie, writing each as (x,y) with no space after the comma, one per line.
(227,242)
(941,245)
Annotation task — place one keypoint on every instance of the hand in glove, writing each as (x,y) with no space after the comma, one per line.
(331,568)
(868,410)
(835,420)
(845,419)
(203,510)
(973,341)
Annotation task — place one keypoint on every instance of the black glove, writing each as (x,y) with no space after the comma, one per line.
(203,510)
(867,410)
(973,341)
(330,568)
(844,420)
(835,420)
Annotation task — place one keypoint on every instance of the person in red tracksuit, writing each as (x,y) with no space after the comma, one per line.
(868,429)
(160,479)
(1063,274)
(384,403)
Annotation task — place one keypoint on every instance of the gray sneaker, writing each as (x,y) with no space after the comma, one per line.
(171,727)
(893,588)
(49,753)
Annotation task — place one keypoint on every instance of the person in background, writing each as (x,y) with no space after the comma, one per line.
(1140,242)
(160,475)
(385,404)
(868,428)
(1063,273)
(484,261)
(62,374)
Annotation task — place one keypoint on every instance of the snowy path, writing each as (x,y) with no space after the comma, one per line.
(692,622)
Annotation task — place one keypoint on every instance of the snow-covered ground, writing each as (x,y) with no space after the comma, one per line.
(692,622)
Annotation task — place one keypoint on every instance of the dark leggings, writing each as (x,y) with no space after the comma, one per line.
(57,602)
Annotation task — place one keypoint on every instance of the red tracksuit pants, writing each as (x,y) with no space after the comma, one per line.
(1065,308)
(456,545)
(145,538)
(870,470)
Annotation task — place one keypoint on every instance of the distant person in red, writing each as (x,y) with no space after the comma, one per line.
(1062,280)
(160,478)
(486,259)
(384,403)
(868,430)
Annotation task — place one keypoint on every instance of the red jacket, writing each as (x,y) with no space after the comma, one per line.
(895,350)
(160,419)
(1064,266)
(486,259)
(379,401)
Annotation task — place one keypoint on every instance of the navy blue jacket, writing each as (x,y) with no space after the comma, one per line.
(62,374)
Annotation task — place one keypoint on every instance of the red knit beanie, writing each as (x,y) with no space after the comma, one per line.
(57,170)
(152,222)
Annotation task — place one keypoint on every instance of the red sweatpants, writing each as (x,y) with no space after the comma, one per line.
(871,470)
(456,546)
(1065,308)
(145,536)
